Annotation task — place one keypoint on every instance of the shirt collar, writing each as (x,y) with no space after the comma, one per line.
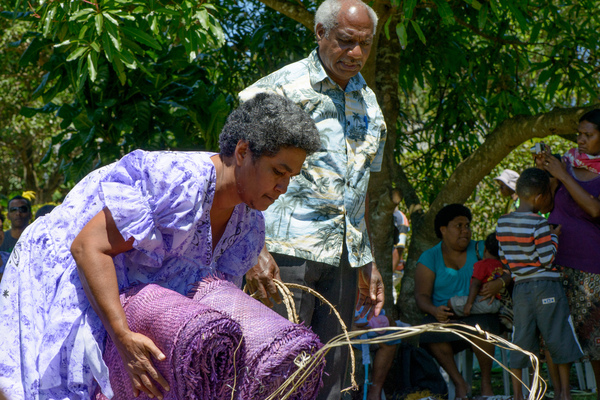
(318,74)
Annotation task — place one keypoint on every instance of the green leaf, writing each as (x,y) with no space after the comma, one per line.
(77,53)
(417,29)
(409,8)
(31,54)
(128,59)
(518,15)
(476,5)
(28,111)
(113,33)
(38,91)
(445,11)
(120,70)
(96,47)
(110,18)
(401,32)
(81,14)
(107,46)
(99,22)
(483,16)
(141,37)
(65,43)
(535,33)
(386,28)
(92,63)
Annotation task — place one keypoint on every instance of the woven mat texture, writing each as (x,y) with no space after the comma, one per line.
(272,342)
(199,344)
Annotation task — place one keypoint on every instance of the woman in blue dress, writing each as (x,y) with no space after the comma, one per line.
(170,218)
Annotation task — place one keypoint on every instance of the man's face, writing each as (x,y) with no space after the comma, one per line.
(346,49)
(18,213)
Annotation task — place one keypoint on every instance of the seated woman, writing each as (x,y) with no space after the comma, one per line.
(170,218)
(445,271)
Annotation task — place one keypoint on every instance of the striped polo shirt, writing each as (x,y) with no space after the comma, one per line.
(527,246)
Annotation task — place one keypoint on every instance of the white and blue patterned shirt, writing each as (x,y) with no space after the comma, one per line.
(328,198)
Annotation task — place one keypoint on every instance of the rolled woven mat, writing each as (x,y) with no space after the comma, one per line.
(202,346)
(274,346)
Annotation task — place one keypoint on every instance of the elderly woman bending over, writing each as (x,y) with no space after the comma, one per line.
(445,271)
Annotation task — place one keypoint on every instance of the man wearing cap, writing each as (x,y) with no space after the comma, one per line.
(507,181)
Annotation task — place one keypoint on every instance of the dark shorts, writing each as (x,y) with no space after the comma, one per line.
(541,307)
(488,322)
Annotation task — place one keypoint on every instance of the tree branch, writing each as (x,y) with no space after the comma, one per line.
(507,136)
(294,11)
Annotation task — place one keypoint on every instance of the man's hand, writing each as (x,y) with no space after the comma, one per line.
(370,291)
(260,278)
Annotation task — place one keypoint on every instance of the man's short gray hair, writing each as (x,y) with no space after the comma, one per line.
(328,12)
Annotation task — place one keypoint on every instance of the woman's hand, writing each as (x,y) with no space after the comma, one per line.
(260,278)
(443,313)
(553,165)
(136,351)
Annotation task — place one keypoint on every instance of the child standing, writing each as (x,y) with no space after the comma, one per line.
(486,270)
(528,245)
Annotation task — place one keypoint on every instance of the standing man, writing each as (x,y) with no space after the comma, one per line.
(317,233)
(19,215)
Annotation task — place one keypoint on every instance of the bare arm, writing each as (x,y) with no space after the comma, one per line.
(473,290)
(424,278)
(93,250)
(490,289)
(587,202)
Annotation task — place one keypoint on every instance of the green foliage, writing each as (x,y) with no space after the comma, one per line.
(259,41)
(131,71)
(485,62)
(23,140)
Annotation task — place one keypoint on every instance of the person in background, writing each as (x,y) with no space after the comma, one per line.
(401,229)
(445,271)
(486,270)
(577,209)
(3,254)
(507,181)
(317,233)
(19,215)
(528,246)
(43,210)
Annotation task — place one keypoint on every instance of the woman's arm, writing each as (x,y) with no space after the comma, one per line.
(93,250)
(424,278)
(587,202)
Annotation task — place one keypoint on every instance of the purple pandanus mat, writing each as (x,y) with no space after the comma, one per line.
(272,343)
(202,345)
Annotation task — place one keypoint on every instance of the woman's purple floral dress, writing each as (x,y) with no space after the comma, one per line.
(51,340)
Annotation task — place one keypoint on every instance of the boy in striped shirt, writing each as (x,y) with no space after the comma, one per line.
(528,245)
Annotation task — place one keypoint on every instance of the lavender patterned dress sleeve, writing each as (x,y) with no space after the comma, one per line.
(50,337)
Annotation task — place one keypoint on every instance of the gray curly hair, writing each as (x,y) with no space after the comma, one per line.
(269,122)
(328,12)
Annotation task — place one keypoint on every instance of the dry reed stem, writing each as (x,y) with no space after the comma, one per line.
(467,332)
